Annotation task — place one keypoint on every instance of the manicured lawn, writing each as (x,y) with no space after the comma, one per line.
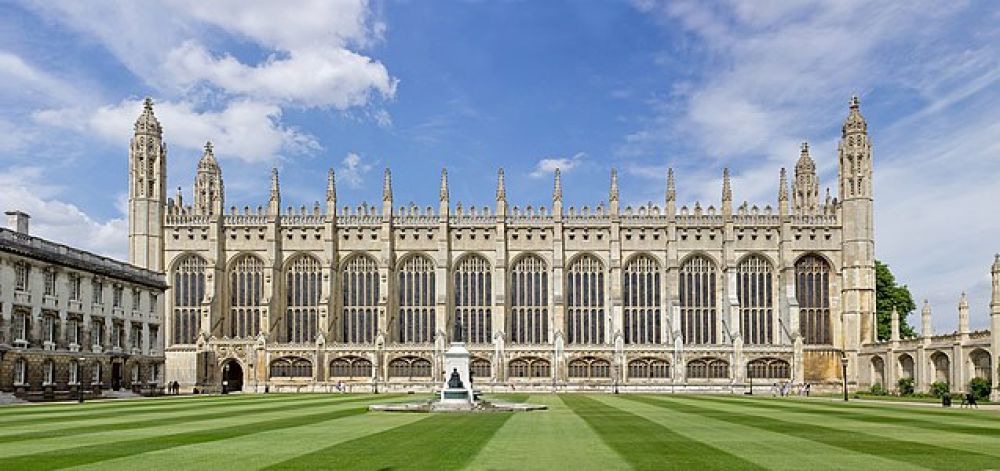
(312,431)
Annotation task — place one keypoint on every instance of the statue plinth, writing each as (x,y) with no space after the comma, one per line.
(456,392)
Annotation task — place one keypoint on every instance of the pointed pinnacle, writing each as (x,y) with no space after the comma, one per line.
(671,188)
(557,186)
(727,190)
(501,186)
(613,196)
(331,186)
(275,189)
(387,185)
(783,185)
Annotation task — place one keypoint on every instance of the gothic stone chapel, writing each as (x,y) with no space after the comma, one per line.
(576,298)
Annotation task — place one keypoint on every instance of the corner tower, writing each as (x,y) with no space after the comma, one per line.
(209,193)
(858,249)
(147,191)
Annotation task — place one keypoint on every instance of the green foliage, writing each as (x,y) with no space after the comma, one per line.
(905,386)
(980,388)
(877,390)
(888,294)
(940,389)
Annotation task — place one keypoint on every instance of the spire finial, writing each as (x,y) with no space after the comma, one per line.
(727,190)
(783,185)
(501,186)
(208,147)
(147,104)
(613,196)
(275,189)
(387,185)
(963,302)
(996,263)
(671,187)
(331,186)
(443,191)
(855,102)
(557,187)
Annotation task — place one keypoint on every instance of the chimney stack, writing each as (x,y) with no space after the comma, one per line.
(18,221)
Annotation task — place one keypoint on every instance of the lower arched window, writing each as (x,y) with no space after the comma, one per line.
(410,367)
(291,367)
(589,368)
(480,368)
(648,368)
(769,368)
(708,368)
(529,367)
(351,367)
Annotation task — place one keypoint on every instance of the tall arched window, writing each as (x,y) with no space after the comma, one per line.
(812,290)
(415,285)
(246,283)
(189,290)
(529,301)
(641,285)
(302,285)
(754,288)
(360,304)
(585,299)
(697,301)
(473,298)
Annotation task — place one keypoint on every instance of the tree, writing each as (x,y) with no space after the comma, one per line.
(888,294)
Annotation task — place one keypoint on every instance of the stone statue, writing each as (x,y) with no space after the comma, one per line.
(455,381)
(457,337)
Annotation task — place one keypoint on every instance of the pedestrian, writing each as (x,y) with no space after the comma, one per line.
(807,389)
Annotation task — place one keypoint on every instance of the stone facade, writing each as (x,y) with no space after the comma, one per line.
(648,298)
(72,320)
(955,358)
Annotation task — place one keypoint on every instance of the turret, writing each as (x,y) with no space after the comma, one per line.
(925,317)
(557,195)
(274,202)
(858,242)
(209,193)
(963,314)
(671,194)
(727,194)
(387,194)
(805,197)
(147,190)
(783,192)
(501,195)
(331,194)
(613,200)
(894,325)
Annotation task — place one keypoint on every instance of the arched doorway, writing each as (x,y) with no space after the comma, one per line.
(232,376)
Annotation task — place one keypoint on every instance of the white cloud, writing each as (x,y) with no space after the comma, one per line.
(244,129)
(353,170)
(564,164)
(26,189)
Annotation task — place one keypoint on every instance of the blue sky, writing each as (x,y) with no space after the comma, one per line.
(472,86)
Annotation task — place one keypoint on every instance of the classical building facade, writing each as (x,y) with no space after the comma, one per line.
(649,298)
(72,321)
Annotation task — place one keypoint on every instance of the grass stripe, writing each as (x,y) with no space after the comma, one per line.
(72,412)
(106,451)
(440,441)
(863,416)
(35,408)
(551,439)
(648,445)
(914,453)
(132,423)
(976,415)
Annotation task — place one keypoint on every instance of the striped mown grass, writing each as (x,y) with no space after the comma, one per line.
(578,432)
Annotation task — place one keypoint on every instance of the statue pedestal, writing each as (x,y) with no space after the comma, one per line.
(456,392)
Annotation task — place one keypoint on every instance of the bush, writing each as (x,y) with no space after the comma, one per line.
(905,386)
(877,390)
(980,388)
(940,389)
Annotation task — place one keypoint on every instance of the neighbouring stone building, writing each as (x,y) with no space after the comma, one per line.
(657,297)
(73,321)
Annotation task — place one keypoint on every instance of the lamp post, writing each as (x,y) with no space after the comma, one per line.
(750,378)
(79,379)
(225,376)
(614,380)
(843,366)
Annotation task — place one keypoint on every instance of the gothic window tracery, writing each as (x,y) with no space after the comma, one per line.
(415,286)
(585,301)
(754,289)
(360,299)
(589,368)
(648,368)
(473,298)
(769,368)
(351,367)
(708,368)
(529,367)
(409,367)
(246,282)
(302,285)
(291,367)
(641,291)
(189,290)
(697,298)
(529,301)
(812,290)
